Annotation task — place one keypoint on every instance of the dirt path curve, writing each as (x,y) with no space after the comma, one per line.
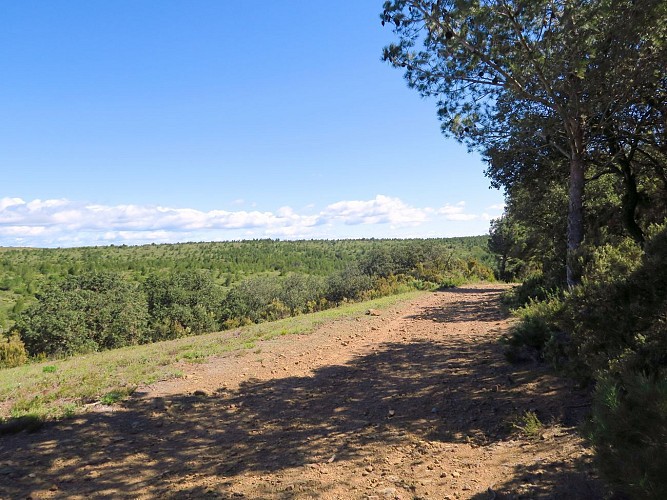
(414,403)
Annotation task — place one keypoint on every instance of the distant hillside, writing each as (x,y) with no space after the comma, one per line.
(23,271)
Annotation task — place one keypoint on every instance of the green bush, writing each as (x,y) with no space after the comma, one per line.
(629,432)
(618,320)
(535,288)
(617,317)
(348,284)
(182,303)
(12,352)
(90,312)
(535,330)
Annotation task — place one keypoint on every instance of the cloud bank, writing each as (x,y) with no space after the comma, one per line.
(61,222)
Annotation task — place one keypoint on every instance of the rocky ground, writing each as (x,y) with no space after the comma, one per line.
(417,402)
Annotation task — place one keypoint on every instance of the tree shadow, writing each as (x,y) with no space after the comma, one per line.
(466,310)
(562,480)
(448,390)
(423,388)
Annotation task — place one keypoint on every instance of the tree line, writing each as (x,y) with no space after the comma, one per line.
(24,271)
(107,307)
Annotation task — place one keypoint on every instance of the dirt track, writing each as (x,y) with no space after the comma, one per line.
(415,403)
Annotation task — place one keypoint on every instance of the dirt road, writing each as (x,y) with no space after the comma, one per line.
(417,402)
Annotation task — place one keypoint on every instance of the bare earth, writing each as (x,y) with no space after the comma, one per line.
(414,403)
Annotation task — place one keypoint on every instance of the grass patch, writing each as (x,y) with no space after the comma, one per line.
(29,423)
(59,388)
(528,424)
(115,396)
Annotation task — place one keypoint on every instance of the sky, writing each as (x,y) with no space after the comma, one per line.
(139,121)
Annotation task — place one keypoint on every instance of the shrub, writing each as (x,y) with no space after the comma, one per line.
(12,352)
(182,303)
(629,432)
(618,315)
(90,312)
(618,319)
(536,328)
(535,288)
(350,284)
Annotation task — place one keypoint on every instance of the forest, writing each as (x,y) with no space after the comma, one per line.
(567,104)
(61,302)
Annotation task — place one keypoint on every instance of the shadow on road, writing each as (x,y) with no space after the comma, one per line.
(449,390)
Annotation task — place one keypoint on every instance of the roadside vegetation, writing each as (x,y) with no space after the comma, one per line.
(567,103)
(125,296)
(59,388)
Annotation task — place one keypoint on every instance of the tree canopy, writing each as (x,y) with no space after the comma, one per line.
(569,87)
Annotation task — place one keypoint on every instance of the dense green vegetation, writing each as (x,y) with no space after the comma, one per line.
(72,301)
(57,388)
(567,103)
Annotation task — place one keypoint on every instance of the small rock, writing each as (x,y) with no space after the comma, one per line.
(388,492)
(456,474)
(373,312)
(199,392)
(391,413)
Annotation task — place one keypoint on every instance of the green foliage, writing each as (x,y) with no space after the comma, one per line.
(507,242)
(618,316)
(535,330)
(629,431)
(92,299)
(347,284)
(612,329)
(12,352)
(113,397)
(535,288)
(182,303)
(84,313)
(529,424)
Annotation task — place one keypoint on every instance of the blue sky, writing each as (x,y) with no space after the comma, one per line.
(162,121)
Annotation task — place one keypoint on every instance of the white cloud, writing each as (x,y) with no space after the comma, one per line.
(10,202)
(22,231)
(380,210)
(61,222)
(456,212)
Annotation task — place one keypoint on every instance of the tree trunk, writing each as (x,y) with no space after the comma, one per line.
(629,201)
(575,218)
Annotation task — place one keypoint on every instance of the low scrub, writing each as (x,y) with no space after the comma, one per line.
(611,331)
(96,311)
(60,388)
(629,432)
(12,352)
